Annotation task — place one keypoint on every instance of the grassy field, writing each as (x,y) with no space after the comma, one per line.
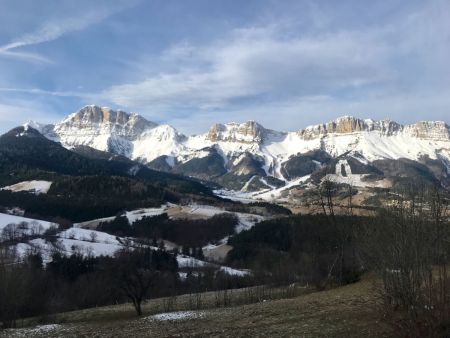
(348,311)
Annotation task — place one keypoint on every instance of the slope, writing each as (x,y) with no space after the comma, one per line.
(80,184)
(349,311)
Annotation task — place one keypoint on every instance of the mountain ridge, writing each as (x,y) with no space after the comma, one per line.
(232,154)
(95,115)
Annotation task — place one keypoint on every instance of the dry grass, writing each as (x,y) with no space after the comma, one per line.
(348,311)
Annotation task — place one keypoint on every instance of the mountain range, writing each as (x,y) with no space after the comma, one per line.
(249,158)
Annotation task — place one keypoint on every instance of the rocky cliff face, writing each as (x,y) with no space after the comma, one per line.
(426,130)
(429,130)
(103,121)
(235,154)
(349,124)
(248,132)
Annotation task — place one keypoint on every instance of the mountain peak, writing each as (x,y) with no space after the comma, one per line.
(247,132)
(92,114)
(93,119)
(349,124)
(23,131)
(431,130)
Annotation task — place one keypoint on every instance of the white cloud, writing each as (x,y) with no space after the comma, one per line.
(55,28)
(398,67)
(393,66)
(38,91)
(256,62)
(30,57)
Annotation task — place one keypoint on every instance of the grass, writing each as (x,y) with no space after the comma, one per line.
(349,311)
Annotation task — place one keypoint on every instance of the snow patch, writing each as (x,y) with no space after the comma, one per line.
(132,216)
(180,315)
(190,262)
(36,187)
(136,215)
(46,330)
(356,180)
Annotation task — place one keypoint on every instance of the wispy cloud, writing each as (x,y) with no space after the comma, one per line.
(30,57)
(266,69)
(56,28)
(285,65)
(37,91)
(255,62)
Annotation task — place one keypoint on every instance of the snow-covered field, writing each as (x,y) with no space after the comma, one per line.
(190,262)
(133,216)
(136,215)
(246,221)
(68,247)
(89,235)
(97,243)
(262,195)
(89,248)
(24,226)
(37,187)
(80,242)
(83,239)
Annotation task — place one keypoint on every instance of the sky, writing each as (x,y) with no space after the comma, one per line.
(192,63)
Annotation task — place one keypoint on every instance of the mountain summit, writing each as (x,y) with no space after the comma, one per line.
(433,130)
(247,156)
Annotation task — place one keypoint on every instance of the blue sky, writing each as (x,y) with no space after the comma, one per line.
(191,63)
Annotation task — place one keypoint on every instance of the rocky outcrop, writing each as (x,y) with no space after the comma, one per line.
(247,164)
(248,132)
(231,154)
(102,120)
(349,124)
(429,130)
(426,130)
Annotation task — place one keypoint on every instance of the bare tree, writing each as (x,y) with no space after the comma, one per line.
(12,287)
(11,232)
(136,275)
(408,245)
(327,193)
(93,236)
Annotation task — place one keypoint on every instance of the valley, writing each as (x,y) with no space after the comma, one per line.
(224,168)
(109,208)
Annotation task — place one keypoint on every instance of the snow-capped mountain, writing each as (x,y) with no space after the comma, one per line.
(249,157)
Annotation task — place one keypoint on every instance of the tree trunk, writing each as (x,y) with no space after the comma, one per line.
(137,306)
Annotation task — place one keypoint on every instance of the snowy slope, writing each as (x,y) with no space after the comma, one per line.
(97,243)
(133,136)
(6,219)
(133,216)
(37,187)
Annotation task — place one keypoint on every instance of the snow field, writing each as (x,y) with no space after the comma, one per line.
(37,187)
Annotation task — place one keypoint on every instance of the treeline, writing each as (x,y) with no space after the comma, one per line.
(33,153)
(406,242)
(74,207)
(189,233)
(304,248)
(81,198)
(263,208)
(84,187)
(28,288)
